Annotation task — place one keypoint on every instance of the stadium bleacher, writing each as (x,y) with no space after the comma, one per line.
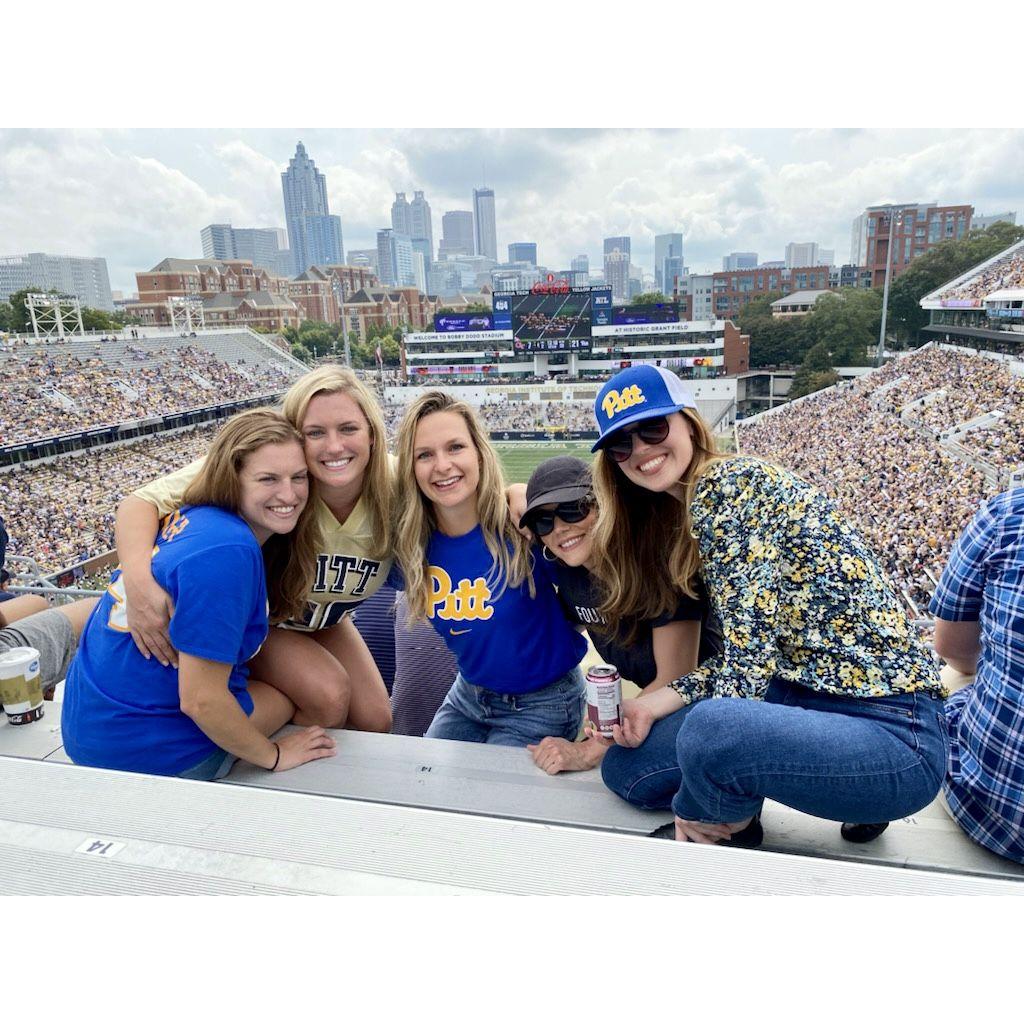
(877,448)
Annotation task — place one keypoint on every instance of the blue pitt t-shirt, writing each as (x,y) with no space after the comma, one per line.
(122,711)
(509,644)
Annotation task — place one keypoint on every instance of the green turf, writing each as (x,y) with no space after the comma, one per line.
(519,460)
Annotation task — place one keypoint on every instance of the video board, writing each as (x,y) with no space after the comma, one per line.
(445,323)
(549,321)
(647,313)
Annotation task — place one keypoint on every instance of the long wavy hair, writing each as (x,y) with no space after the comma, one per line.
(378,485)
(287,558)
(512,562)
(645,550)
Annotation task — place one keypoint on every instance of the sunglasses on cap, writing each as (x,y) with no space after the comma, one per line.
(542,522)
(620,445)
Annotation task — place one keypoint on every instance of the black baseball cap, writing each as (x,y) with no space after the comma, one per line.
(563,478)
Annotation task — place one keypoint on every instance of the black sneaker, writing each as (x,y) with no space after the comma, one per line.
(749,838)
(667,831)
(855,833)
(746,839)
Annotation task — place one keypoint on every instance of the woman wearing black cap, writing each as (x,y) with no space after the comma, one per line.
(561,514)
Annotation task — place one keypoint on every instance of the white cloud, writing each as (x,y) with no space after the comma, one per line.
(106,193)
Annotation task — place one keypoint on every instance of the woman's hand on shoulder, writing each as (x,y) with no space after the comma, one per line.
(148,610)
(637,719)
(308,744)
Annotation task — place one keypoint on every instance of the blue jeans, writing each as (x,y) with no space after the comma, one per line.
(843,758)
(211,768)
(477,715)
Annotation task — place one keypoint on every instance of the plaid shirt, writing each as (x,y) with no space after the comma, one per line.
(984,582)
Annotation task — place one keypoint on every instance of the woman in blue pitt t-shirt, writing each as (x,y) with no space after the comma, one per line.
(471,573)
(246,517)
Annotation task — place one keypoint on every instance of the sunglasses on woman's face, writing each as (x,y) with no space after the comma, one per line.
(542,522)
(620,444)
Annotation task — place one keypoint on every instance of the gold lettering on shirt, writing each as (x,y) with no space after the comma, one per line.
(464,602)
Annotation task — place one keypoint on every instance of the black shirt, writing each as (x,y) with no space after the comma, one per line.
(581,598)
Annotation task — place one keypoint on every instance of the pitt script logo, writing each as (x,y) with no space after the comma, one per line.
(615,401)
(463,603)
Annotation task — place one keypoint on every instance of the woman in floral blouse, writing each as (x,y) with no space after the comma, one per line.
(823,698)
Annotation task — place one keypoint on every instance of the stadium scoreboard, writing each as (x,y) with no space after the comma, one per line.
(551,316)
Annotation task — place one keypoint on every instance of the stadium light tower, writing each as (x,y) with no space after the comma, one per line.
(186,312)
(894,220)
(54,316)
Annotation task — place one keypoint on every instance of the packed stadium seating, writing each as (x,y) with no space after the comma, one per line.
(890,473)
(1005,273)
(879,447)
(50,389)
(517,416)
(62,511)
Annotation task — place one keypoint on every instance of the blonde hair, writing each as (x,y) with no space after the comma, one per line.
(287,558)
(512,562)
(645,550)
(378,485)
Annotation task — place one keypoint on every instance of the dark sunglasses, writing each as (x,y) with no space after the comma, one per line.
(620,444)
(542,522)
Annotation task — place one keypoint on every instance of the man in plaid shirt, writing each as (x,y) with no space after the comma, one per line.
(979,628)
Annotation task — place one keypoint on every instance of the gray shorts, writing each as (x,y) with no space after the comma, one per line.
(50,633)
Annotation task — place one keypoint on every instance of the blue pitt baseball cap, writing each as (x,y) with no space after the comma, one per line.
(638,393)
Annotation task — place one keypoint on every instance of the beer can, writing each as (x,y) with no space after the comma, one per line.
(21,691)
(604,698)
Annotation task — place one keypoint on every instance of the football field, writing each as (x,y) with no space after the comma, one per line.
(520,458)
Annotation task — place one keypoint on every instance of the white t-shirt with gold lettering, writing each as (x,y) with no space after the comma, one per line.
(344,575)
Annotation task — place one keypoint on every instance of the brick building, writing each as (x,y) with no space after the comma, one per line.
(206,280)
(265,310)
(916,228)
(390,307)
(731,290)
(313,292)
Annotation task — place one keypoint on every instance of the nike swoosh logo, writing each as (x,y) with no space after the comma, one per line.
(458,632)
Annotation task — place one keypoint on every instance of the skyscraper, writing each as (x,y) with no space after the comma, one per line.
(802,254)
(523,252)
(666,246)
(616,266)
(580,267)
(314,236)
(739,261)
(395,264)
(400,215)
(82,276)
(672,271)
(486,232)
(218,242)
(456,234)
(421,227)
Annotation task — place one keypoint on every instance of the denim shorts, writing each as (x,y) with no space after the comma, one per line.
(211,768)
(475,714)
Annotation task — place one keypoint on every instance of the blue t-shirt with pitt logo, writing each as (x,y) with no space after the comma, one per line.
(511,643)
(122,711)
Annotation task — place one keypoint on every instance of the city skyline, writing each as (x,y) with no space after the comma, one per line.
(567,189)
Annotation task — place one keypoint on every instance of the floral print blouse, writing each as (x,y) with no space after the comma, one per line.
(797,592)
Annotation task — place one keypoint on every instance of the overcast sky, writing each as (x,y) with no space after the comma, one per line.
(135,197)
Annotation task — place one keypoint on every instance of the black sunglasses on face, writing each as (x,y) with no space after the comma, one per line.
(542,522)
(653,431)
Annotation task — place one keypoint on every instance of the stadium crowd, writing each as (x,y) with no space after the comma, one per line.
(62,512)
(49,393)
(1007,273)
(890,475)
(530,416)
